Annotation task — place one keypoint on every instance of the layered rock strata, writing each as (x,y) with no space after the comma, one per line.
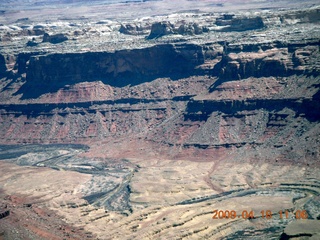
(151,85)
(218,111)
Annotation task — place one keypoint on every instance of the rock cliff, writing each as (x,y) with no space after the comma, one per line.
(93,95)
(121,68)
(241,61)
(157,121)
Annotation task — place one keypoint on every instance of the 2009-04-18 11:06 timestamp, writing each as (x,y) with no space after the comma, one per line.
(264,214)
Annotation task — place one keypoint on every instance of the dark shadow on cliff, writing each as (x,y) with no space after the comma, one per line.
(49,73)
(29,90)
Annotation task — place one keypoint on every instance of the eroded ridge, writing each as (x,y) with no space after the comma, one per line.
(119,123)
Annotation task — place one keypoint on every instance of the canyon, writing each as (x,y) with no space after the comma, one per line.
(142,126)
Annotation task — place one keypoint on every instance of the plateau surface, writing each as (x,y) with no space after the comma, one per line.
(138,119)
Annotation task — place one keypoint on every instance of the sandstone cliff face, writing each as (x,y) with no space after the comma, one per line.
(252,96)
(160,29)
(131,67)
(166,129)
(116,69)
(276,59)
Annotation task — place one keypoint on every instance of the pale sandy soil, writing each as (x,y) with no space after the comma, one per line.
(172,199)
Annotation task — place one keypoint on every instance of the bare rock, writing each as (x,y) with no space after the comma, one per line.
(309,16)
(225,20)
(160,29)
(190,29)
(240,24)
(54,39)
(133,29)
(306,228)
(283,60)
(6,37)
(32,43)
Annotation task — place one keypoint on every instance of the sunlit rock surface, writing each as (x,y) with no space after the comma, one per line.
(138,119)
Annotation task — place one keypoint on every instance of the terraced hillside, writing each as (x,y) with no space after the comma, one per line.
(139,128)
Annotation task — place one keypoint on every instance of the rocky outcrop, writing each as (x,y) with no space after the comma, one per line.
(134,29)
(55,38)
(32,43)
(307,229)
(191,29)
(251,95)
(275,59)
(232,23)
(160,29)
(6,38)
(121,68)
(175,126)
(132,67)
(75,122)
(307,16)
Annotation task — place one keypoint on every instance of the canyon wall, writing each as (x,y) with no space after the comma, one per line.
(195,96)
(119,69)
(142,127)
(273,59)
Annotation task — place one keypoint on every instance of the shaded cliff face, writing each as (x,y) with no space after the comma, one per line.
(145,137)
(251,95)
(118,69)
(222,91)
